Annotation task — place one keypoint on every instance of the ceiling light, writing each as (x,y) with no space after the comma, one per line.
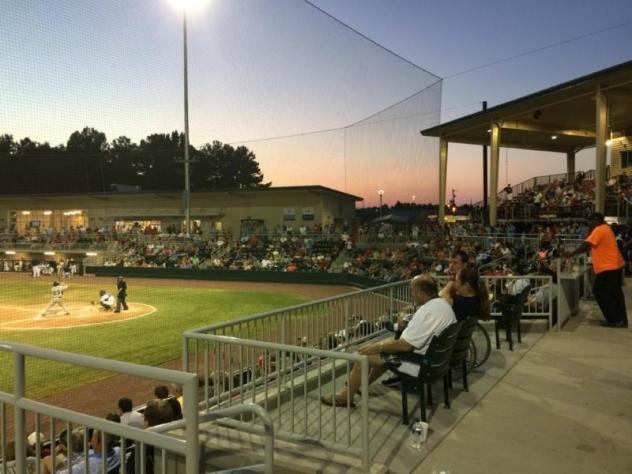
(553,137)
(26,213)
(10,252)
(49,253)
(48,213)
(91,254)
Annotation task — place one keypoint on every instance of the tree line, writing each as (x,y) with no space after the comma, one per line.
(88,162)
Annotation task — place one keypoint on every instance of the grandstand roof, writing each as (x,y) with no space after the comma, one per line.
(317,189)
(566,111)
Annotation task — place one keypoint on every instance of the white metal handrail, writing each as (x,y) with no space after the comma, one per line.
(284,375)
(188,447)
(219,414)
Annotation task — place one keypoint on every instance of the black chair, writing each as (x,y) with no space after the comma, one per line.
(433,365)
(511,307)
(462,349)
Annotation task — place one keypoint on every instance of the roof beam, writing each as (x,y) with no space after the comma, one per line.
(553,130)
(519,145)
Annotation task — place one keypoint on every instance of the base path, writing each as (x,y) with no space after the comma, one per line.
(25,317)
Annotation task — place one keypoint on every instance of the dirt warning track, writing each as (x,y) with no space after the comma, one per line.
(19,318)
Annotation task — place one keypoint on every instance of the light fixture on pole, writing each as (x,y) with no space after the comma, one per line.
(380,193)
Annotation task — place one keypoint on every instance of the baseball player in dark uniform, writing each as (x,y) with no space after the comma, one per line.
(121,286)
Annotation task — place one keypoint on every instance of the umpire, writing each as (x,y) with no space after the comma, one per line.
(121,286)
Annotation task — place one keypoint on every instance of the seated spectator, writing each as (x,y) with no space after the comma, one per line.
(129,417)
(162,393)
(539,296)
(467,295)
(62,455)
(433,316)
(102,445)
(157,412)
(177,393)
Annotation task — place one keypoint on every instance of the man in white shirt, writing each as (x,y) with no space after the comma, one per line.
(128,416)
(434,315)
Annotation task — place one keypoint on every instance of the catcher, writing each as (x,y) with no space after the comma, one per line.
(57,299)
(106,300)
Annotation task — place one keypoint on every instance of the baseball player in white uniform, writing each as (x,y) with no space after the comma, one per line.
(37,270)
(106,300)
(57,299)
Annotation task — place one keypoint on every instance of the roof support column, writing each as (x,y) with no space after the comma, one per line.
(443,170)
(601,124)
(493,174)
(570,166)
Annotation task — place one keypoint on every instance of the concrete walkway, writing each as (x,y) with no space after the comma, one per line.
(565,407)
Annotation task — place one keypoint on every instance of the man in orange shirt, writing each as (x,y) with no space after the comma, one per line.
(608,266)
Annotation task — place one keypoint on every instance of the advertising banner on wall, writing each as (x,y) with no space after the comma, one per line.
(288,214)
(308,213)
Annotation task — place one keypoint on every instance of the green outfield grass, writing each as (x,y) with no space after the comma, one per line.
(150,340)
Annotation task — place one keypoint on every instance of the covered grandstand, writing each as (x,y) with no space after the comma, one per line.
(589,111)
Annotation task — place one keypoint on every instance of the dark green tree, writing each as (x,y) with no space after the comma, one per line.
(88,140)
(222,166)
(8,147)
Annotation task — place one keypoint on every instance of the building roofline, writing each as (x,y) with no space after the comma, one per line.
(435,131)
(307,188)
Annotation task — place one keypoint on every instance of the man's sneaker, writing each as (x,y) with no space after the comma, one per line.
(608,324)
(392,381)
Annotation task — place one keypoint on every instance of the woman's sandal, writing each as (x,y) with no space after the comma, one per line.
(331,400)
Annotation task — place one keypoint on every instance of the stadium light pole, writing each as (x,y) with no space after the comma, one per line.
(187,178)
(186,6)
(380,193)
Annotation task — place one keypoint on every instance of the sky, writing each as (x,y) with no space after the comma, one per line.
(269,68)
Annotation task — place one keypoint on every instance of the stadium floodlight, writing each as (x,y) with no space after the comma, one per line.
(190,6)
(187,6)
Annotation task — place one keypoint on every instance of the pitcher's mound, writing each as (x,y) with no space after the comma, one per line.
(26,317)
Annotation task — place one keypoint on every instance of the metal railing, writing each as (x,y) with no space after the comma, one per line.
(328,323)
(287,382)
(187,447)
(278,359)
(542,294)
(219,415)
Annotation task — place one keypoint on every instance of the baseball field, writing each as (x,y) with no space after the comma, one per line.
(148,333)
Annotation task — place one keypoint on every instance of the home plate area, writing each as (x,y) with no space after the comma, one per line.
(14,317)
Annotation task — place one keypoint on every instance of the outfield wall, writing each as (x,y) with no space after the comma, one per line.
(316,278)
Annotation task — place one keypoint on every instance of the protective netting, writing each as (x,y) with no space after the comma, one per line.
(256,70)
(350,112)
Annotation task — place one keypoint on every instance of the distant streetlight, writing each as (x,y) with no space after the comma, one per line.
(187,6)
(380,193)
(413,198)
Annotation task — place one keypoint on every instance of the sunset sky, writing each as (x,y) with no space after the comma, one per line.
(268,68)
